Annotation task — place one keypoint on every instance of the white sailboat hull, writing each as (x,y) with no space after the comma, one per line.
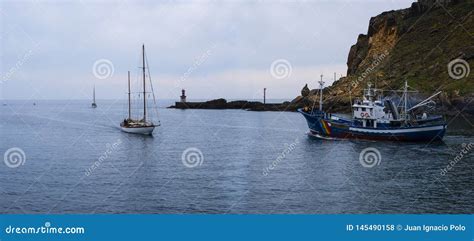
(147,130)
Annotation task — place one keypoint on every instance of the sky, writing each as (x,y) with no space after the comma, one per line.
(213,49)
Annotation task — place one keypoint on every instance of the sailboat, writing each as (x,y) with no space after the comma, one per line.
(143,125)
(94,105)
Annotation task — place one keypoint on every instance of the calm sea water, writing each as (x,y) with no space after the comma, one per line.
(76,160)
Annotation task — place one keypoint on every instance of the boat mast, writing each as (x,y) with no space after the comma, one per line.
(129,105)
(405,90)
(93,95)
(350,100)
(144,89)
(321,84)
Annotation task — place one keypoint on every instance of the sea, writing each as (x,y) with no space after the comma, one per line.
(62,156)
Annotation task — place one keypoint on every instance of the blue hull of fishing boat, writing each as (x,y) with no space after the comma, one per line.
(326,126)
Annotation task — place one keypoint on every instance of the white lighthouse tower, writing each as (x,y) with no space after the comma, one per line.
(183,96)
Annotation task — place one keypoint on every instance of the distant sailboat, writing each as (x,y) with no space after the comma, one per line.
(94,105)
(143,125)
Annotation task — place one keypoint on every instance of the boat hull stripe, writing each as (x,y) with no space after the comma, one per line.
(408,130)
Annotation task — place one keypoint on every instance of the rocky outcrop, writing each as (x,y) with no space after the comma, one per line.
(239,104)
(415,44)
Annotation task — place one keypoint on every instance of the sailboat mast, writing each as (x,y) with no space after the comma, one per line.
(129,104)
(93,95)
(144,89)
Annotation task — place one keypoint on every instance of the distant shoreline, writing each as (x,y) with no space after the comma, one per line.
(238,104)
(287,106)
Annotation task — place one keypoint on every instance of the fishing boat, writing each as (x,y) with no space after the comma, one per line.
(375,118)
(94,105)
(140,125)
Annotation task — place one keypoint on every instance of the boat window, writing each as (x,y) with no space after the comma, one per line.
(363,109)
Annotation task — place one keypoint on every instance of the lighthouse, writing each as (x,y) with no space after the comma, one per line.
(183,96)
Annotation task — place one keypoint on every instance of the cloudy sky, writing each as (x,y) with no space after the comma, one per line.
(231,49)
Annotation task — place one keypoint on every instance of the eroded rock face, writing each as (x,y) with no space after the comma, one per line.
(386,29)
(381,37)
(414,44)
(357,54)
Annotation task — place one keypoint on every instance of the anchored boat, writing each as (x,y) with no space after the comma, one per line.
(377,119)
(140,125)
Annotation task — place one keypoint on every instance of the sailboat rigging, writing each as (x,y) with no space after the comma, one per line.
(144,125)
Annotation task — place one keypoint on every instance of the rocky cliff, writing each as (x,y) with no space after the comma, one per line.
(430,44)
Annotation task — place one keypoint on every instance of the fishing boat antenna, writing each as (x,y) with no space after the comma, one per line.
(404,108)
(350,100)
(321,84)
(405,100)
